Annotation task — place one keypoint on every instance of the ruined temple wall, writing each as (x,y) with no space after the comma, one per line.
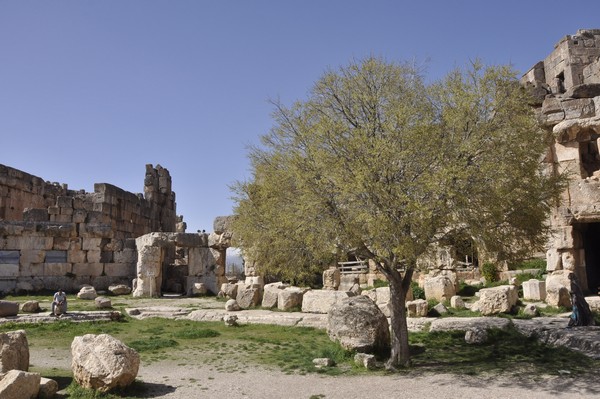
(53,237)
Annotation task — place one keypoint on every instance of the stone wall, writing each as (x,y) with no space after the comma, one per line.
(566,86)
(52,237)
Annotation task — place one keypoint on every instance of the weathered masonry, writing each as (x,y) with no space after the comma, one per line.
(567,89)
(52,237)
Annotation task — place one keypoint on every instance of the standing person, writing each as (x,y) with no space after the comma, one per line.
(60,300)
(581,316)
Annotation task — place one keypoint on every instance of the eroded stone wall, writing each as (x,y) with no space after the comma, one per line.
(52,237)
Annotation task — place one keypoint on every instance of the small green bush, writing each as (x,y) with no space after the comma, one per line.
(489,271)
(380,283)
(465,289)
(418,292)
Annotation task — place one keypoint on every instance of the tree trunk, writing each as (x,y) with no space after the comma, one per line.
(399,286)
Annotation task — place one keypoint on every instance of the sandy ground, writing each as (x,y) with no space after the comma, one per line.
(169,379)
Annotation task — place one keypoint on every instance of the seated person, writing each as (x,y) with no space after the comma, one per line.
(60,300)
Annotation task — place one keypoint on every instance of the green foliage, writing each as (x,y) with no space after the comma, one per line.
(154,343)
(531,264)
(465,289)
(380,283)
(195,333)
(377,162)
(418,292)
(489,272)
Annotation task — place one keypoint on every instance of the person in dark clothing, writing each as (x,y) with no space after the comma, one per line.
(581,316)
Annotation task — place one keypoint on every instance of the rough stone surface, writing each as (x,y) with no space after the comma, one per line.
(14,351)
(531,310)
(496,300)
(440,288)
(48,388)
(557,288)
(290,298)
(232,305)
(466,323)
(103,302)
(230,320)
(323,362)
(248,297)
(440,309)
(417,308)
(31,307)
(365,360)
(457,302)
(18,384)
(102,362)
(331,278)
(120,289)
(476,336)
(358,324)
(534,290)
(8,308)
(270,294)
(87,292)
(320,301)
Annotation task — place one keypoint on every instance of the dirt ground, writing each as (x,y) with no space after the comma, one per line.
(172,379)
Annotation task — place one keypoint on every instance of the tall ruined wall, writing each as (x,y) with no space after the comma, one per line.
(566,86)
(52,237)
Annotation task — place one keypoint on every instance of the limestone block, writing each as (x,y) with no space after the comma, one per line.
(440,288)
(534,290)
(9,270)
(67,211)
(476,336)
(14,351)
(33,269)
(496,300)
(79,216)
(30,307)
(557,295)
(566,237)
(90,230)
(289,298)
(35,215)
(92,244)
(53,210)
(199,260)
(232,305)
(578,108)
(88,269)
(32,256)
(417,308)
(102,363)
(320,301)
(61,218)
(119,289)
(57,269)
(102,302)
(55,257)
(125,256)
(20,384)
(48,388)
(248,297)
(94,256)
(569,260)
(64,202)
(87,292)
(365,360)
(271,293)
(199,289)
(457,302)
(119,269)
(31,242)
(553,260)
(8,308)
(76,256)
(331,278)
(358,324)
(66,244)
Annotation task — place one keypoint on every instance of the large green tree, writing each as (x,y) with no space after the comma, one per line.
(378,163)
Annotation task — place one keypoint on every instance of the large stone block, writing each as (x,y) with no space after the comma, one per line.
(534,290)
(9,270)
(320,301)
(57,269)
(94,256)
(440,288)
(14,350)
(496,300)
(271,293)
(10,257)
(119,269)
(32,256)
(417,308)
(248,297)
(553,260)
(290,298)
(91,244)
(76,256)
(20,384)
(88,269)
(125,256)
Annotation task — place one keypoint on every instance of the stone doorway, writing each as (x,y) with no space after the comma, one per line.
(590,233)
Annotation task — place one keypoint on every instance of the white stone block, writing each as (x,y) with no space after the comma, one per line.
(534,290)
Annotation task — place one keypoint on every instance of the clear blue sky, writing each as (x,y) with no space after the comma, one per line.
(91,91)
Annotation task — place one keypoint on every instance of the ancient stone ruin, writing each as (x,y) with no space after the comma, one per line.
(52,237)
(566,86)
